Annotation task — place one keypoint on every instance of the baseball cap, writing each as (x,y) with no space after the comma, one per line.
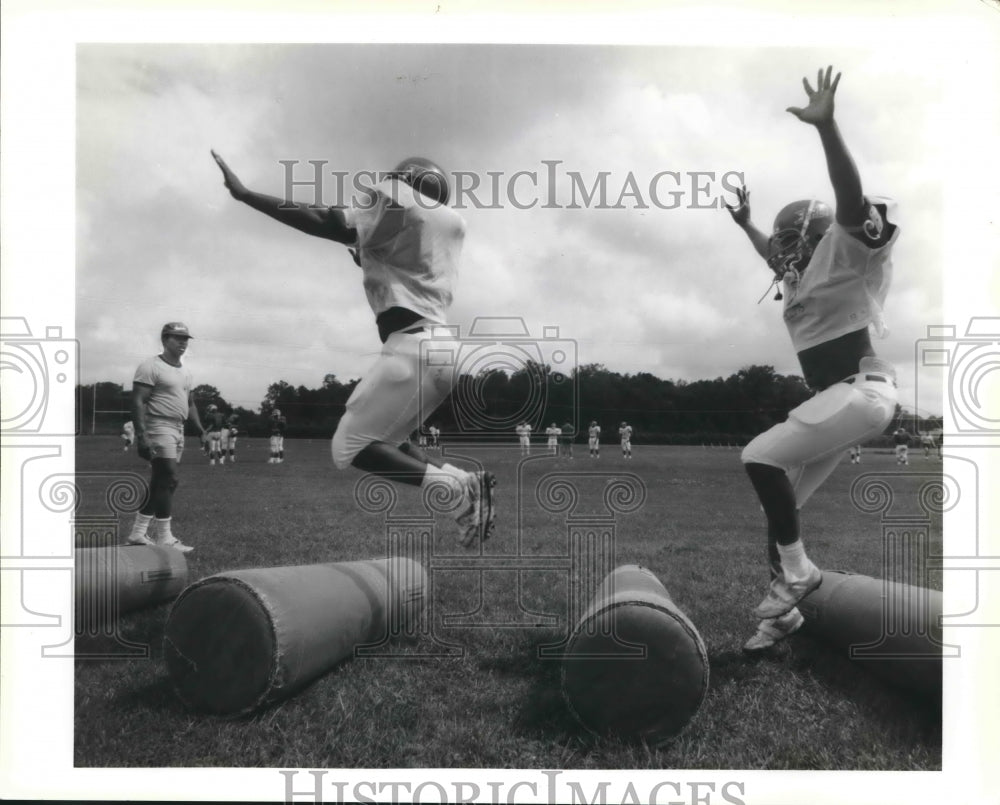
(175,328)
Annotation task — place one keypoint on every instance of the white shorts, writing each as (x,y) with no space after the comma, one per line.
(403,388)
(224,438)
(810,443)
(214,437)
(164,439)
(594,443)
(277,442)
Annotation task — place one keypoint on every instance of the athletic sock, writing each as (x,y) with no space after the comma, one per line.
(141,525)
(162,531)
(453,478)
(794,562)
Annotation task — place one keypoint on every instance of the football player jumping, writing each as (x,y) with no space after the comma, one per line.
(834,271)
(407,242)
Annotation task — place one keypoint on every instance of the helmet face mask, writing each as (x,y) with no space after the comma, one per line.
(425,177)
(798,229)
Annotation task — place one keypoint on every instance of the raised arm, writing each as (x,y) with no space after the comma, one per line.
(851,211)
(326,222)
(741,215)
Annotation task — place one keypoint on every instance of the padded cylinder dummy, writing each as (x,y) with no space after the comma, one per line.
(114,579)
(891,629)
(243,639)
(634,665)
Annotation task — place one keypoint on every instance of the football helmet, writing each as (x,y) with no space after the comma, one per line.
(213,408)
(798,228)
(276,413)
(425,177)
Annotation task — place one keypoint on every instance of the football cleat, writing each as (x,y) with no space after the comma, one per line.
(176,544)
(771,630)
(139,539)
(784,595)
(479,519)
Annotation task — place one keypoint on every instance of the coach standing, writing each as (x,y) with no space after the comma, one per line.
(161,402)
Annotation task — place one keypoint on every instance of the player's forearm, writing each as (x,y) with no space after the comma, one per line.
(193,416)
(844,175)
(291,213)
(757,238)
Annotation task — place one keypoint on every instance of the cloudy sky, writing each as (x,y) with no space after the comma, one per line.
(657,279)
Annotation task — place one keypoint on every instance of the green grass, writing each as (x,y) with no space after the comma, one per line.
(802,706)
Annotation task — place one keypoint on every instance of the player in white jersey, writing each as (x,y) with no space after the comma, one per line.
(214,422)
(553,432)
(435,435)
(594,439)
(834,273)
(523,431)
(128,435)
(625,434)
(927,442)
(901,438)
(277,424)
(229,433)
(161,402)
(855,453)
(407,242)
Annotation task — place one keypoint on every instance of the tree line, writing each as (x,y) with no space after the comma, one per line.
(730,410)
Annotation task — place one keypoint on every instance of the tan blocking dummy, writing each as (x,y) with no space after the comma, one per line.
(111,580)
(888,628)
(240,640)
(634,666)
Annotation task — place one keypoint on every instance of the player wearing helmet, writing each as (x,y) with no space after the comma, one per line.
(594,439)
(834,273)
(277,425)
(625,432)
(553,432)
(523,431)
(214,420)
(229,433)
(407,242)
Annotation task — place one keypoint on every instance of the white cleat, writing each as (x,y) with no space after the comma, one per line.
(772,630)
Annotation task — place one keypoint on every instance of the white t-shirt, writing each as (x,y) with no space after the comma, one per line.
(409,247)
(171,388)
(845,284)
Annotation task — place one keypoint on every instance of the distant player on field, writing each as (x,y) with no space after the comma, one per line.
(855,453)
(927,442)
(277,424)
(229,434)
(161,402)
(128,435)
(901,438)
(435,434)
(625,434)
(407,242)
(566,438)
(214,420)
(834,270)
(594,439)
(523,431)
(553,432)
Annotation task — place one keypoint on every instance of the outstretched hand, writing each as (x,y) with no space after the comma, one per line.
(741,212)
(820,107)
(233,184)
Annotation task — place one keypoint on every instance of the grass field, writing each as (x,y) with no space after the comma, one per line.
(802,706)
